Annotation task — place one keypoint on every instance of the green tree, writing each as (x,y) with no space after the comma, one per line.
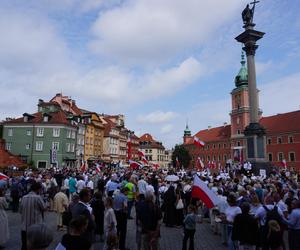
(183,156)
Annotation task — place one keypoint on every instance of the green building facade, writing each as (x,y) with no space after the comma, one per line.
(44,139)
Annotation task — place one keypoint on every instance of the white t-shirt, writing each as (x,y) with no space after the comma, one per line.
(80,185)
(231,212)
(261,213)
(90,185)
(142,185)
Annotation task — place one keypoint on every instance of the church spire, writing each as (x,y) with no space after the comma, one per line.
(187,131)
(242,77)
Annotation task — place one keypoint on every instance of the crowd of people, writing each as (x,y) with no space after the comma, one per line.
(252,212)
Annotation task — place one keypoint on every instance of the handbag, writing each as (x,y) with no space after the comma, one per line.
(179,204)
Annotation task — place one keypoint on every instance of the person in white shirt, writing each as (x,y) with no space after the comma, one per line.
(142,185)
(80,184)
(231,211)
(90,185)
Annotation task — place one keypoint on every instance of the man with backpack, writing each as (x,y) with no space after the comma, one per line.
(264,214)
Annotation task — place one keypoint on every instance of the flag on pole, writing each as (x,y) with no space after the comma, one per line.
(83,167)
(201,191)
(199,163)
(283,163)
(135,164)
(140,153)
(144,160)
(198,142)
(98,168)
(3,177)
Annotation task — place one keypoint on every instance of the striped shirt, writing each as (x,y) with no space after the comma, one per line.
(32,210)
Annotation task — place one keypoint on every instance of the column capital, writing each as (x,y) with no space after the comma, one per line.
(250,49)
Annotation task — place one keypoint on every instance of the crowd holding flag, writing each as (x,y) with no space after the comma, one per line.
(135,164)
(83,167)
(201,191)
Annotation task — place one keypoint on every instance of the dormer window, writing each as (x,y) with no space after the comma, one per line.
(46,118)
(25,118)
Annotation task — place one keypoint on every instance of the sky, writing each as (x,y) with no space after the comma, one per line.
(159,62)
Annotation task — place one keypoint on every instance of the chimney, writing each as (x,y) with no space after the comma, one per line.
(41,101)
(209,127)
(225,124)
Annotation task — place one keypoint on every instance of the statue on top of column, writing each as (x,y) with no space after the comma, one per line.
(248,14)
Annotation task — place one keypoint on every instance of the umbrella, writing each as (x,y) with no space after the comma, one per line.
(3,177)
(172,178)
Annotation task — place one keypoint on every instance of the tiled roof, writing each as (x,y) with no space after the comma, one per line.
(151,142)
(281,123)
(8,159)
(58,117)
(147,137)
(214,134)
(108,126)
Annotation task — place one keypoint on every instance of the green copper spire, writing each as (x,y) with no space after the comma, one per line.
(242,77)
(187,131)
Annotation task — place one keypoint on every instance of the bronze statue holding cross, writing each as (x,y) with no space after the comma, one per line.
(248,13)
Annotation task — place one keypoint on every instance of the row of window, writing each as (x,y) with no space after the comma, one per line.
(40,132)
(280,156)
(39,145)
(280,140)
(113,141)
(213,158)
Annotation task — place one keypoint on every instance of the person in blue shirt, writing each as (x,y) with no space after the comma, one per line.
(189,228)
(293,223)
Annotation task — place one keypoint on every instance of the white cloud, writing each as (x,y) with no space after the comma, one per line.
(157,117)
(166,129)
(155,31)
(281,95)
(262,67)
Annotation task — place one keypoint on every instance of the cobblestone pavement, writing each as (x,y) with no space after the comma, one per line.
(171,237)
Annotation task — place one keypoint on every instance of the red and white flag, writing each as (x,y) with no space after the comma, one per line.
(201,191)
(83,167)
(140,153)
(135,164)
(3,177)
(198,142)
(283,163)
(98,168)
(144,160)
(200,164)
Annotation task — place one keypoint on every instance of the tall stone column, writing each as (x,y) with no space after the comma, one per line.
(254,132)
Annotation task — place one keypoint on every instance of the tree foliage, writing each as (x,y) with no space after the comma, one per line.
(183,156)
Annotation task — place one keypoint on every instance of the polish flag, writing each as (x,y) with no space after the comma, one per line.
(201,191)
(198,142)
(140,153)
(144,160)
(155,165)
(83,167)
(135,165)
(3,177)
(98,168)
(200,164)
(283,163)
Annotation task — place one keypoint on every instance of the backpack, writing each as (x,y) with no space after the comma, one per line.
(272,214)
